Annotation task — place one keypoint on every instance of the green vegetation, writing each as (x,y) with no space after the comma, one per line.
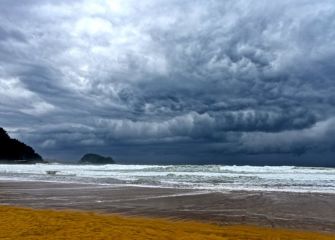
(91,158)
(14,151)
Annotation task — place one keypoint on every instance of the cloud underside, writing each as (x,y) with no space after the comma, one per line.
(234,77)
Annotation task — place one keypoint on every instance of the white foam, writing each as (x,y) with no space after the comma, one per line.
(205,177)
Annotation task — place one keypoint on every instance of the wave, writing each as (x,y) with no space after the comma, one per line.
(210,177)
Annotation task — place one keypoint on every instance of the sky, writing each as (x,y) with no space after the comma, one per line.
(171,81)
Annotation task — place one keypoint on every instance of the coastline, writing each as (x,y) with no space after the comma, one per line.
(279,210)
(24,223)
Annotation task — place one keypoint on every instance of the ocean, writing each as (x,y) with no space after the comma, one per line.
(202,177)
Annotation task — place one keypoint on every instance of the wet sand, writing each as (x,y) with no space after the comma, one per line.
(22,223)
(304,211)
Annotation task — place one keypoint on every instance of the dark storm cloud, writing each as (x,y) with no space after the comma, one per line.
(217,77)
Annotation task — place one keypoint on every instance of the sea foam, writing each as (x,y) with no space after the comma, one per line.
(202,177)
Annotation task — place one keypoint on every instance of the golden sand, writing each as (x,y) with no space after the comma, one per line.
(22,223)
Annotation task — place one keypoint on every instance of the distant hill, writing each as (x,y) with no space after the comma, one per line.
(14,151)
(92,158)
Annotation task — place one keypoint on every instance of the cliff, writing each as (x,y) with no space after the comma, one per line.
(14,151)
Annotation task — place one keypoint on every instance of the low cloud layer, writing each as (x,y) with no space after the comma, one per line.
(185,81)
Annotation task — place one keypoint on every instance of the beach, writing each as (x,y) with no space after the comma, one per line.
(22,223)
(273,210)
(167,120)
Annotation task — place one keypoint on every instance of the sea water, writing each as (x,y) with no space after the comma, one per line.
(206,177)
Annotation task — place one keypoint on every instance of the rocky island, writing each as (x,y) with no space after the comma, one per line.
(14,151)
(92,158)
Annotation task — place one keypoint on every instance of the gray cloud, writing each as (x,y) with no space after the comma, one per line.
(195,77)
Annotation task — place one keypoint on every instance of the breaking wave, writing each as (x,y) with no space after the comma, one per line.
(207,177)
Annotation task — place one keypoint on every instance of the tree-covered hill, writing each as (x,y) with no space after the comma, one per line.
(14,151)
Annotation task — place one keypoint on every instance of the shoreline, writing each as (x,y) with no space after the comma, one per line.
(225,190)
(299,211)
(27,223)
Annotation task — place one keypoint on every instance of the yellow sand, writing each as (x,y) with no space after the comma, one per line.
(21,223)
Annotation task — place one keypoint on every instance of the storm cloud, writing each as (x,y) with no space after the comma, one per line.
(186,81)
